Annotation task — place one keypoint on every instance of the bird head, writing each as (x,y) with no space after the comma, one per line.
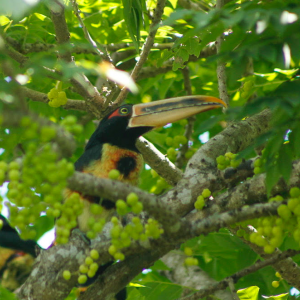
(125,124)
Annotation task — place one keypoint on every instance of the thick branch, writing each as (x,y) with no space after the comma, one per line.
(201,172)
(57,10)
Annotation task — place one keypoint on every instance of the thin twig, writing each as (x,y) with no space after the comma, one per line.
(180,160)
(103,53)
(221,68)
(235,277)
(159,10)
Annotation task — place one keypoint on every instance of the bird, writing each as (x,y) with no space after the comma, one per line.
(113,144)
(16,256)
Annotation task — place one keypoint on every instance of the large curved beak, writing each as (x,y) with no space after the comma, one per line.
(162,112)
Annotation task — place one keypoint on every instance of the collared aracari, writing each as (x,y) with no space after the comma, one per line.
(15,263)
(112,145)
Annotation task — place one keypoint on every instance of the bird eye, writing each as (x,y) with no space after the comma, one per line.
(123,111)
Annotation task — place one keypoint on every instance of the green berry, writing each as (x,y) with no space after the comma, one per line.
(82,279)
(206,193)
(188,251)
(88,260)
(66,275)
(119,256)
(94,267)
(221,167)
(190,261)
(295,192)
(269,249)
(292,203)
(257,170)
(200,203)
(121,205)
(221,160)
(284,212)
(94,254)
(115,220)
(47,133)
(115,232)
(277,274)
(114,174)
(137,208)
(14,175)
(132,199)
(275,284)
(83,268)
(112,250)
(258,162)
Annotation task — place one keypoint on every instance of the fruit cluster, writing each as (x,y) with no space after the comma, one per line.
(70,124)
(276,283)
(160,185)
(190,260)
(121,237)
(37,182)
(200,202)
(259,165)
(228,160)
(88,269)
(56,96)
(270,230)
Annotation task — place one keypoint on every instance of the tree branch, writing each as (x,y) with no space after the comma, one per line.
(235,277)
(41,97)
(159,162)
(201,169)
(159,10)
(221,68)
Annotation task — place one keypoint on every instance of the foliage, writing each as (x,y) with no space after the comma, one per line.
(47,105)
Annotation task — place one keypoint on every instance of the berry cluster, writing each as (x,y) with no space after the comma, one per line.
(259,165)
(228,160)
(199,204)
(70,124)
(160,185)
(270,230)
(190,261)
(88,269)
(121,237)
(95,222)
(276,283)
(56,96)
(37,183)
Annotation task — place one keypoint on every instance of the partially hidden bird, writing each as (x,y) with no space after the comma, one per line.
(113,144)
(16,256)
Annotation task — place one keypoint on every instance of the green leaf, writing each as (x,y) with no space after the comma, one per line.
(250,293)
(6,294)
(193,46)
(133,16)
(285,161)
(160,290)
(272,177)
(181,56)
